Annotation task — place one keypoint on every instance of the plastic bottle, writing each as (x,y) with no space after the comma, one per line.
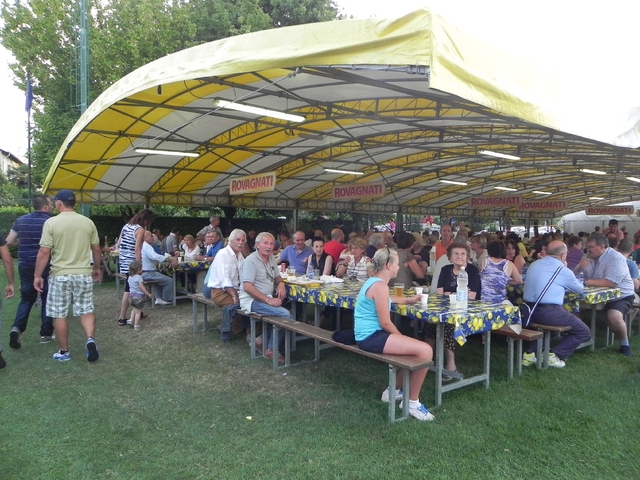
(432,260)
(580,277)
(462,290)
(310,270)
(524,272)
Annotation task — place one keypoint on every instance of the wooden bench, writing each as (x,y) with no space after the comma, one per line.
(119,276)
(407,363)
(253,319)
(629,317)
(526,335)
(148,283)
(547,330)
(198,298)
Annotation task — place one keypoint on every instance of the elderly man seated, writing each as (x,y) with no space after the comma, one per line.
(262,289)
(223,281)
(150,259)
(605,267)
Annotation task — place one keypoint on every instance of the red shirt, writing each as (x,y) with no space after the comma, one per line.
(334,249)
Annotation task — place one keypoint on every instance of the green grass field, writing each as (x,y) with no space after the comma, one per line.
(164,403)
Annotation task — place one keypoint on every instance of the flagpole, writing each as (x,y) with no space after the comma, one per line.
(28,102)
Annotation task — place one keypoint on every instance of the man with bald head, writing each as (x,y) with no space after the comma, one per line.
(334,247)
(550,310)
(296,255)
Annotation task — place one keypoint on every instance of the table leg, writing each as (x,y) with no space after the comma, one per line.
(439,361)
(195,316)
(175,287)
(487,358)
(593,327)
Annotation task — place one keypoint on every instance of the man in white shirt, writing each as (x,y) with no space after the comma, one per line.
(223,281)
(150,260)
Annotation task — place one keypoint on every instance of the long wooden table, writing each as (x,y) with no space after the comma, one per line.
(479,317)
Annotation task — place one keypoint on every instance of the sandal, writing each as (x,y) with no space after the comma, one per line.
(447,378)
(122,322)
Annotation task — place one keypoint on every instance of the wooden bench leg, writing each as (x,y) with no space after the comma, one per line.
(392,391)
(519,357)
(287,348)
(252,344)
(539,351)
(510,358)
(274,332)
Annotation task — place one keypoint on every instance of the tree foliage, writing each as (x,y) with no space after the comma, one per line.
(43,35)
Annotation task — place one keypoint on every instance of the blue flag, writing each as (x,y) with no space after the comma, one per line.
(29,101)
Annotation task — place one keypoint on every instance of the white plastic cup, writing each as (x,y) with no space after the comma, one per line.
(424,299)
(419,290)
(453,300)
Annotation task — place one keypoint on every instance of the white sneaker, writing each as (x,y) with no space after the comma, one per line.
(385,396)
(528,359)
(555,361)
(162,302)
(421,413)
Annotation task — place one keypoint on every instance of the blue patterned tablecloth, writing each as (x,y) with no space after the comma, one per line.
(477,318)
(591,295)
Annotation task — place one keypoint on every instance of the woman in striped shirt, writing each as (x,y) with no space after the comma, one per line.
(131,238)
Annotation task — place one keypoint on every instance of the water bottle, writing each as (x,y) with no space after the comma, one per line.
(310,270)
(462,290)
(524,272)
(580,277)
(432,260)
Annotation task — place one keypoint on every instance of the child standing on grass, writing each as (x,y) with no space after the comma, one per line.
(137,292)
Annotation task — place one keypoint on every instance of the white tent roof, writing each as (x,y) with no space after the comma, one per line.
(406,101)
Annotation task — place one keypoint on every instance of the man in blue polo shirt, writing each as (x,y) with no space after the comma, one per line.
(550,310)
(296,255)
(26,233)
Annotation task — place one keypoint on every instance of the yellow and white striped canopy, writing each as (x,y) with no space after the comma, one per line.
(406,101)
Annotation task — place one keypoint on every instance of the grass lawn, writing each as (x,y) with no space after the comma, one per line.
(165,403)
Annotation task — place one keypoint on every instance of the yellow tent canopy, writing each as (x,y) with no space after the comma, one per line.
(406,103)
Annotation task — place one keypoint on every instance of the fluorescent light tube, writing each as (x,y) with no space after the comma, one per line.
(453,182)
(263,112)
(634,179)
(351,172)
(168,152)
(508,189)
(499,155)
(595,172)
(541,193)
(596,198)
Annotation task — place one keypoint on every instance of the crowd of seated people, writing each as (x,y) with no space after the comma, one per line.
(493,261)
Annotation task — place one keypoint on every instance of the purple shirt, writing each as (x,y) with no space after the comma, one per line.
(574,255)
